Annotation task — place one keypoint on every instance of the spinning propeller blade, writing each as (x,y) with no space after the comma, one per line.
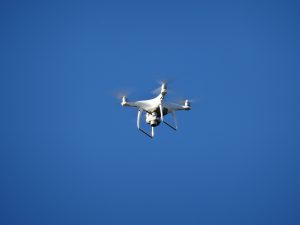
(182,101)
(121,94)
(163,84)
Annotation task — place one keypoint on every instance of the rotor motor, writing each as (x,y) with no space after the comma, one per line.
(187,105)
(124,101)
(163,90)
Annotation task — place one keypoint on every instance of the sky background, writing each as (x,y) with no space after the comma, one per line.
(70,154)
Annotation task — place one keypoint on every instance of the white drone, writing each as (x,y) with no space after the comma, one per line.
(156,109)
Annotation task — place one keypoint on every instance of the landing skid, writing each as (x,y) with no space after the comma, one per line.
(151,135)
(175,126)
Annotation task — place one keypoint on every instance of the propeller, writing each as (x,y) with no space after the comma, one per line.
(163,86)
(122,93)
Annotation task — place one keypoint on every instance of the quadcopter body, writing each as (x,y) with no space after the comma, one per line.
(155,110)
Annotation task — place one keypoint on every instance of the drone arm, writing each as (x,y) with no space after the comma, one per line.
(129,104)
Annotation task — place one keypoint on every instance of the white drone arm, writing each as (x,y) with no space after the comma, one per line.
(172,107)
(129,104)
(144,105)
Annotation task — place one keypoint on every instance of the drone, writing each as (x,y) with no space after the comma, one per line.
(156,109)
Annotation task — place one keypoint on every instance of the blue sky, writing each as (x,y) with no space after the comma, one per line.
(70,154)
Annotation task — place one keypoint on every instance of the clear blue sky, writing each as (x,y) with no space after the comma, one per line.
(70,154)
